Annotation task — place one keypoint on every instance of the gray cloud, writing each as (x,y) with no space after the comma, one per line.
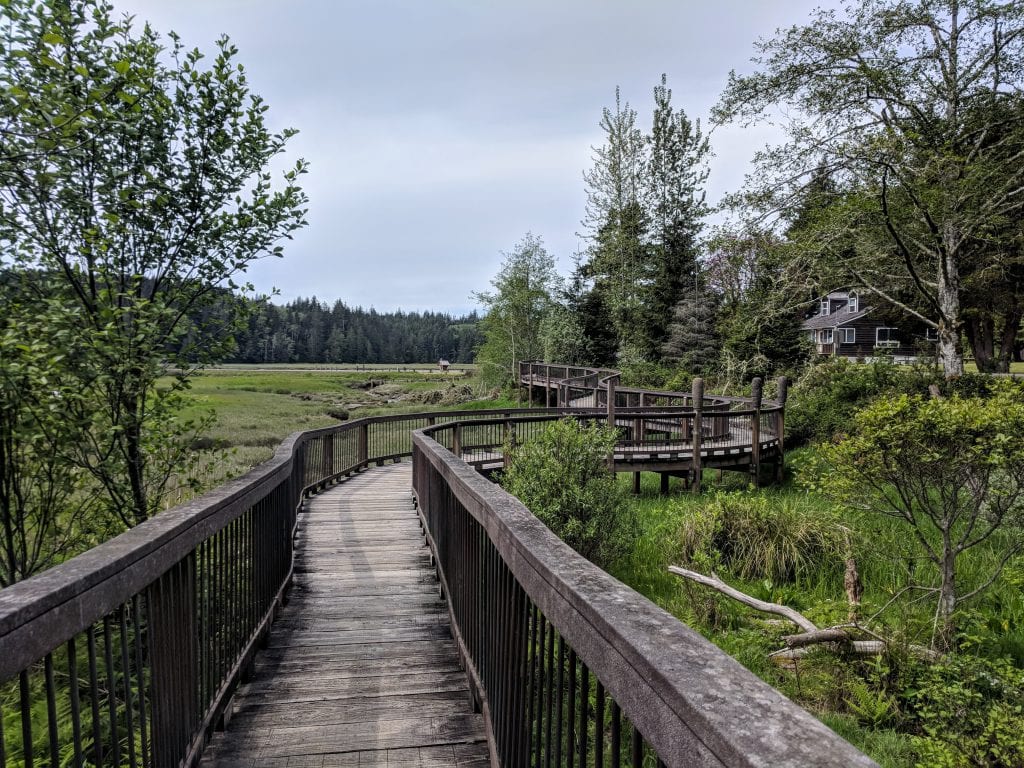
(441,131)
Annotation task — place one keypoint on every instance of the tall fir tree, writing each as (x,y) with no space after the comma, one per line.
(644,215)
(674,177)
(616,224)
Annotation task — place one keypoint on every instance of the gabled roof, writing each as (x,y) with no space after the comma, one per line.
(835,319)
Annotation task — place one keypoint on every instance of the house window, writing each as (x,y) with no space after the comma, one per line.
(847,335)
(824,306)
(931,334)
(886,337)
(825,336)
(854,303)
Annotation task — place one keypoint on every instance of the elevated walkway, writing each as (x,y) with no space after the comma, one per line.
(360,668)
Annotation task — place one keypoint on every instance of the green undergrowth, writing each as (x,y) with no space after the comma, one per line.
(788,545)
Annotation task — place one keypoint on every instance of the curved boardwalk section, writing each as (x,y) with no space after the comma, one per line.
(360,669)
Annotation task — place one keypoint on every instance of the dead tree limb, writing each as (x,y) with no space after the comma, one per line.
(797,644)
(760,605)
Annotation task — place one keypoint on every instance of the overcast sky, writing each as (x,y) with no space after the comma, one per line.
(439,132)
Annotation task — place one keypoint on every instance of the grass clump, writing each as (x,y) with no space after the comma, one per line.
(784,539)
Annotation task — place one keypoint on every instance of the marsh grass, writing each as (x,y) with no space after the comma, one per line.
(256,407)
(775,526)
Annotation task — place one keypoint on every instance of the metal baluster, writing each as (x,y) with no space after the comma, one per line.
(76,711)
(26,718)
(51,711)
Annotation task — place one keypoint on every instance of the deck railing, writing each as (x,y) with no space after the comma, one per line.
(128,654)
(573,668)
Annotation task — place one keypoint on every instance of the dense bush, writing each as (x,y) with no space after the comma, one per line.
(823,401)
(562,476)
(970,712)
(825,398)
(645,374)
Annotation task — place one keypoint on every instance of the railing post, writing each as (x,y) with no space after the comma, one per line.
(364,445)
(328,455)
(756,390)
(611,401)
(510,443)
(697,431)
(780,428)
(457,440)
(547,388)
(639,436)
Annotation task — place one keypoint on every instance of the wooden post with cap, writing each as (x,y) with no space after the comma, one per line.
(780,428)
(756,392)
(697,431)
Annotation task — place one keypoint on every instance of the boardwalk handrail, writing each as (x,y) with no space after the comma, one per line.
(715,436)
(577,382)
(129,654)
(159,624)
(515,592)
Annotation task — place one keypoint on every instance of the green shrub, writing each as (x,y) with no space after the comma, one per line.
(562,476)
(971,712)
(758,536)
(645,374)
(823,401)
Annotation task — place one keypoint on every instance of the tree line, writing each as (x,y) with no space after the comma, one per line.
(312,331)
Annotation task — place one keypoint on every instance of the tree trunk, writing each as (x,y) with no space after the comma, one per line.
(1008,340)
(949,348)
(947,599)
(980,335)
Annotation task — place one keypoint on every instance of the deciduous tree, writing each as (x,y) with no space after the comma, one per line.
(951,470)
(523,297)
(138,174)
(906,104)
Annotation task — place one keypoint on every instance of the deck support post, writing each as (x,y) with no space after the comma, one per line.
(664,482)
(611,400)
(780,428)
(756,392)
(697,431)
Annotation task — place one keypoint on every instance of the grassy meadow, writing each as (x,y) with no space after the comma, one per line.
(250,409)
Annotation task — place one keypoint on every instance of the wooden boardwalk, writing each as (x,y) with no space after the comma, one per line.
(360,669)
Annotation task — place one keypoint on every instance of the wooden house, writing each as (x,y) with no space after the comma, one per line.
(845,326)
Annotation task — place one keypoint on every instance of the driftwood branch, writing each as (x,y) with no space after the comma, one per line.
(832,635)
(759,605)
(797,644)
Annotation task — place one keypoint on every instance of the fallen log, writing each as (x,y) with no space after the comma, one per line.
(760,605)
(798,645)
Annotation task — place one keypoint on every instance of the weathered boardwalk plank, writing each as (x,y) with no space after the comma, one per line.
(360,669)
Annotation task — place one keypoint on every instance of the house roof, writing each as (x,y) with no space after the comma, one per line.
(835,319)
